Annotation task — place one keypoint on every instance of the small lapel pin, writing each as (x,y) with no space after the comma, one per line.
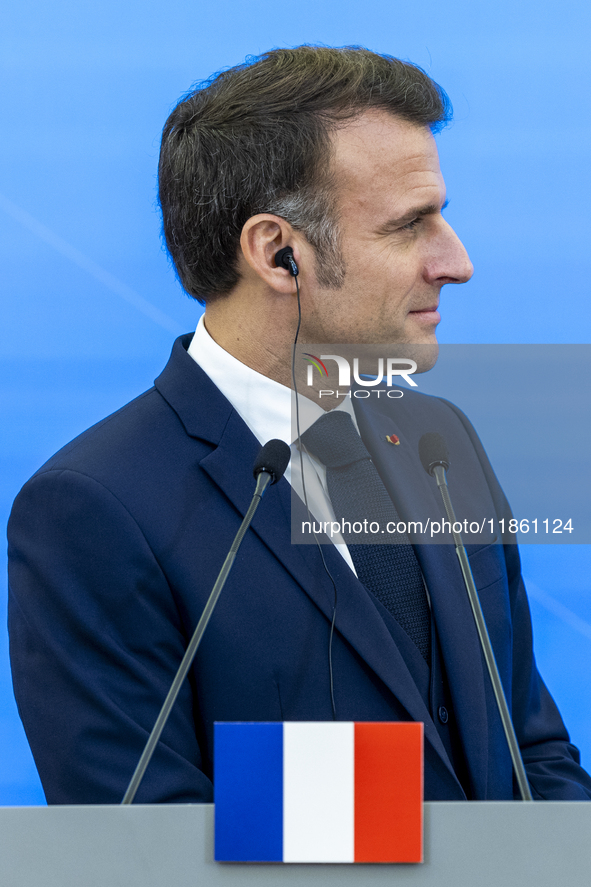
(393,439)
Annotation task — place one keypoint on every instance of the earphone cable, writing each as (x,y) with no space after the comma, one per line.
(300,448)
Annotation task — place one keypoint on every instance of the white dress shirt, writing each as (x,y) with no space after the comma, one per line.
(266,407)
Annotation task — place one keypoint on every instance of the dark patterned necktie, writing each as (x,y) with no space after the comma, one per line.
(390,571)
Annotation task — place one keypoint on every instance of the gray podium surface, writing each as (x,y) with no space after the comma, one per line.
(479,844)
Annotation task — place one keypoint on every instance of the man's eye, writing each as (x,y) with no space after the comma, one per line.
(410,226)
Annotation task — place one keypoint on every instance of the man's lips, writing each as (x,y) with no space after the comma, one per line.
(429,314)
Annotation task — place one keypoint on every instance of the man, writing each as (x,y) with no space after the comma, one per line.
(116,542)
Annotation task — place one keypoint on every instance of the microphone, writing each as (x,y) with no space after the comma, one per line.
(269,467)
(433,452)
(434,457)
(273,459)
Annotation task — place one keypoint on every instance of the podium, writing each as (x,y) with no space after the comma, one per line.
(488,844)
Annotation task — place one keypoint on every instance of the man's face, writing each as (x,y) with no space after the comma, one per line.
(397,247)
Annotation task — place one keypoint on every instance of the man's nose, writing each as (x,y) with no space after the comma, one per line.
(449,262)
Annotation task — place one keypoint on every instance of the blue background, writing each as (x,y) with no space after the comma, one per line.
(90,305)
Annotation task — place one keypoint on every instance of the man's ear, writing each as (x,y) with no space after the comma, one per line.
(262,237)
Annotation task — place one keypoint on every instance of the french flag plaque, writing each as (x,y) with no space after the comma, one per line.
(318,792)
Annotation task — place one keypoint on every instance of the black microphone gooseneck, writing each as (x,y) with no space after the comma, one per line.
(269,467)
(434,457)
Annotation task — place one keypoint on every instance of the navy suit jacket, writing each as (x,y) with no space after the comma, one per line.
(115,545)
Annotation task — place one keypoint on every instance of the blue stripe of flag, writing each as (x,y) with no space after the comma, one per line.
(248,789)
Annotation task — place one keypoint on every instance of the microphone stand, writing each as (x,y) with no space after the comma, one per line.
(263,480)
(438,470)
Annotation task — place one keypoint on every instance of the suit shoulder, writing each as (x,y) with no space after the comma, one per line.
(131,450)
(428,406)
(116,433)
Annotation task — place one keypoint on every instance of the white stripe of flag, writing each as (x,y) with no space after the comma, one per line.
(318,792)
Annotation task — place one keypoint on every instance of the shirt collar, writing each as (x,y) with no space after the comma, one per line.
(265,405)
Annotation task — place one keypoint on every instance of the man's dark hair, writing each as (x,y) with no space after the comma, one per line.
(256,139)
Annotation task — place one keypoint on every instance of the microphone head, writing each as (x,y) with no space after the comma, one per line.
(433,451)
(272,458)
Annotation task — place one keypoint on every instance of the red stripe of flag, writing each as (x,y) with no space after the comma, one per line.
(389,792)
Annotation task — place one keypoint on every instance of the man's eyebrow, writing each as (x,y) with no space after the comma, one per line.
(416,212)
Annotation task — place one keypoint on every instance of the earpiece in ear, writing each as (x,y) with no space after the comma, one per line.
(284,259)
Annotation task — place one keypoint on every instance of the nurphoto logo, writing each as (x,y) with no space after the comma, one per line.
(395,368)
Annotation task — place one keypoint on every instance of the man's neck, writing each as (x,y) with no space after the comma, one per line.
(266,347)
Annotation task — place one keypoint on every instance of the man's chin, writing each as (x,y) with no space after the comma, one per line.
(424,354)
(368,358)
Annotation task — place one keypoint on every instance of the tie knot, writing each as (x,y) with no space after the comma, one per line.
(334,440)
